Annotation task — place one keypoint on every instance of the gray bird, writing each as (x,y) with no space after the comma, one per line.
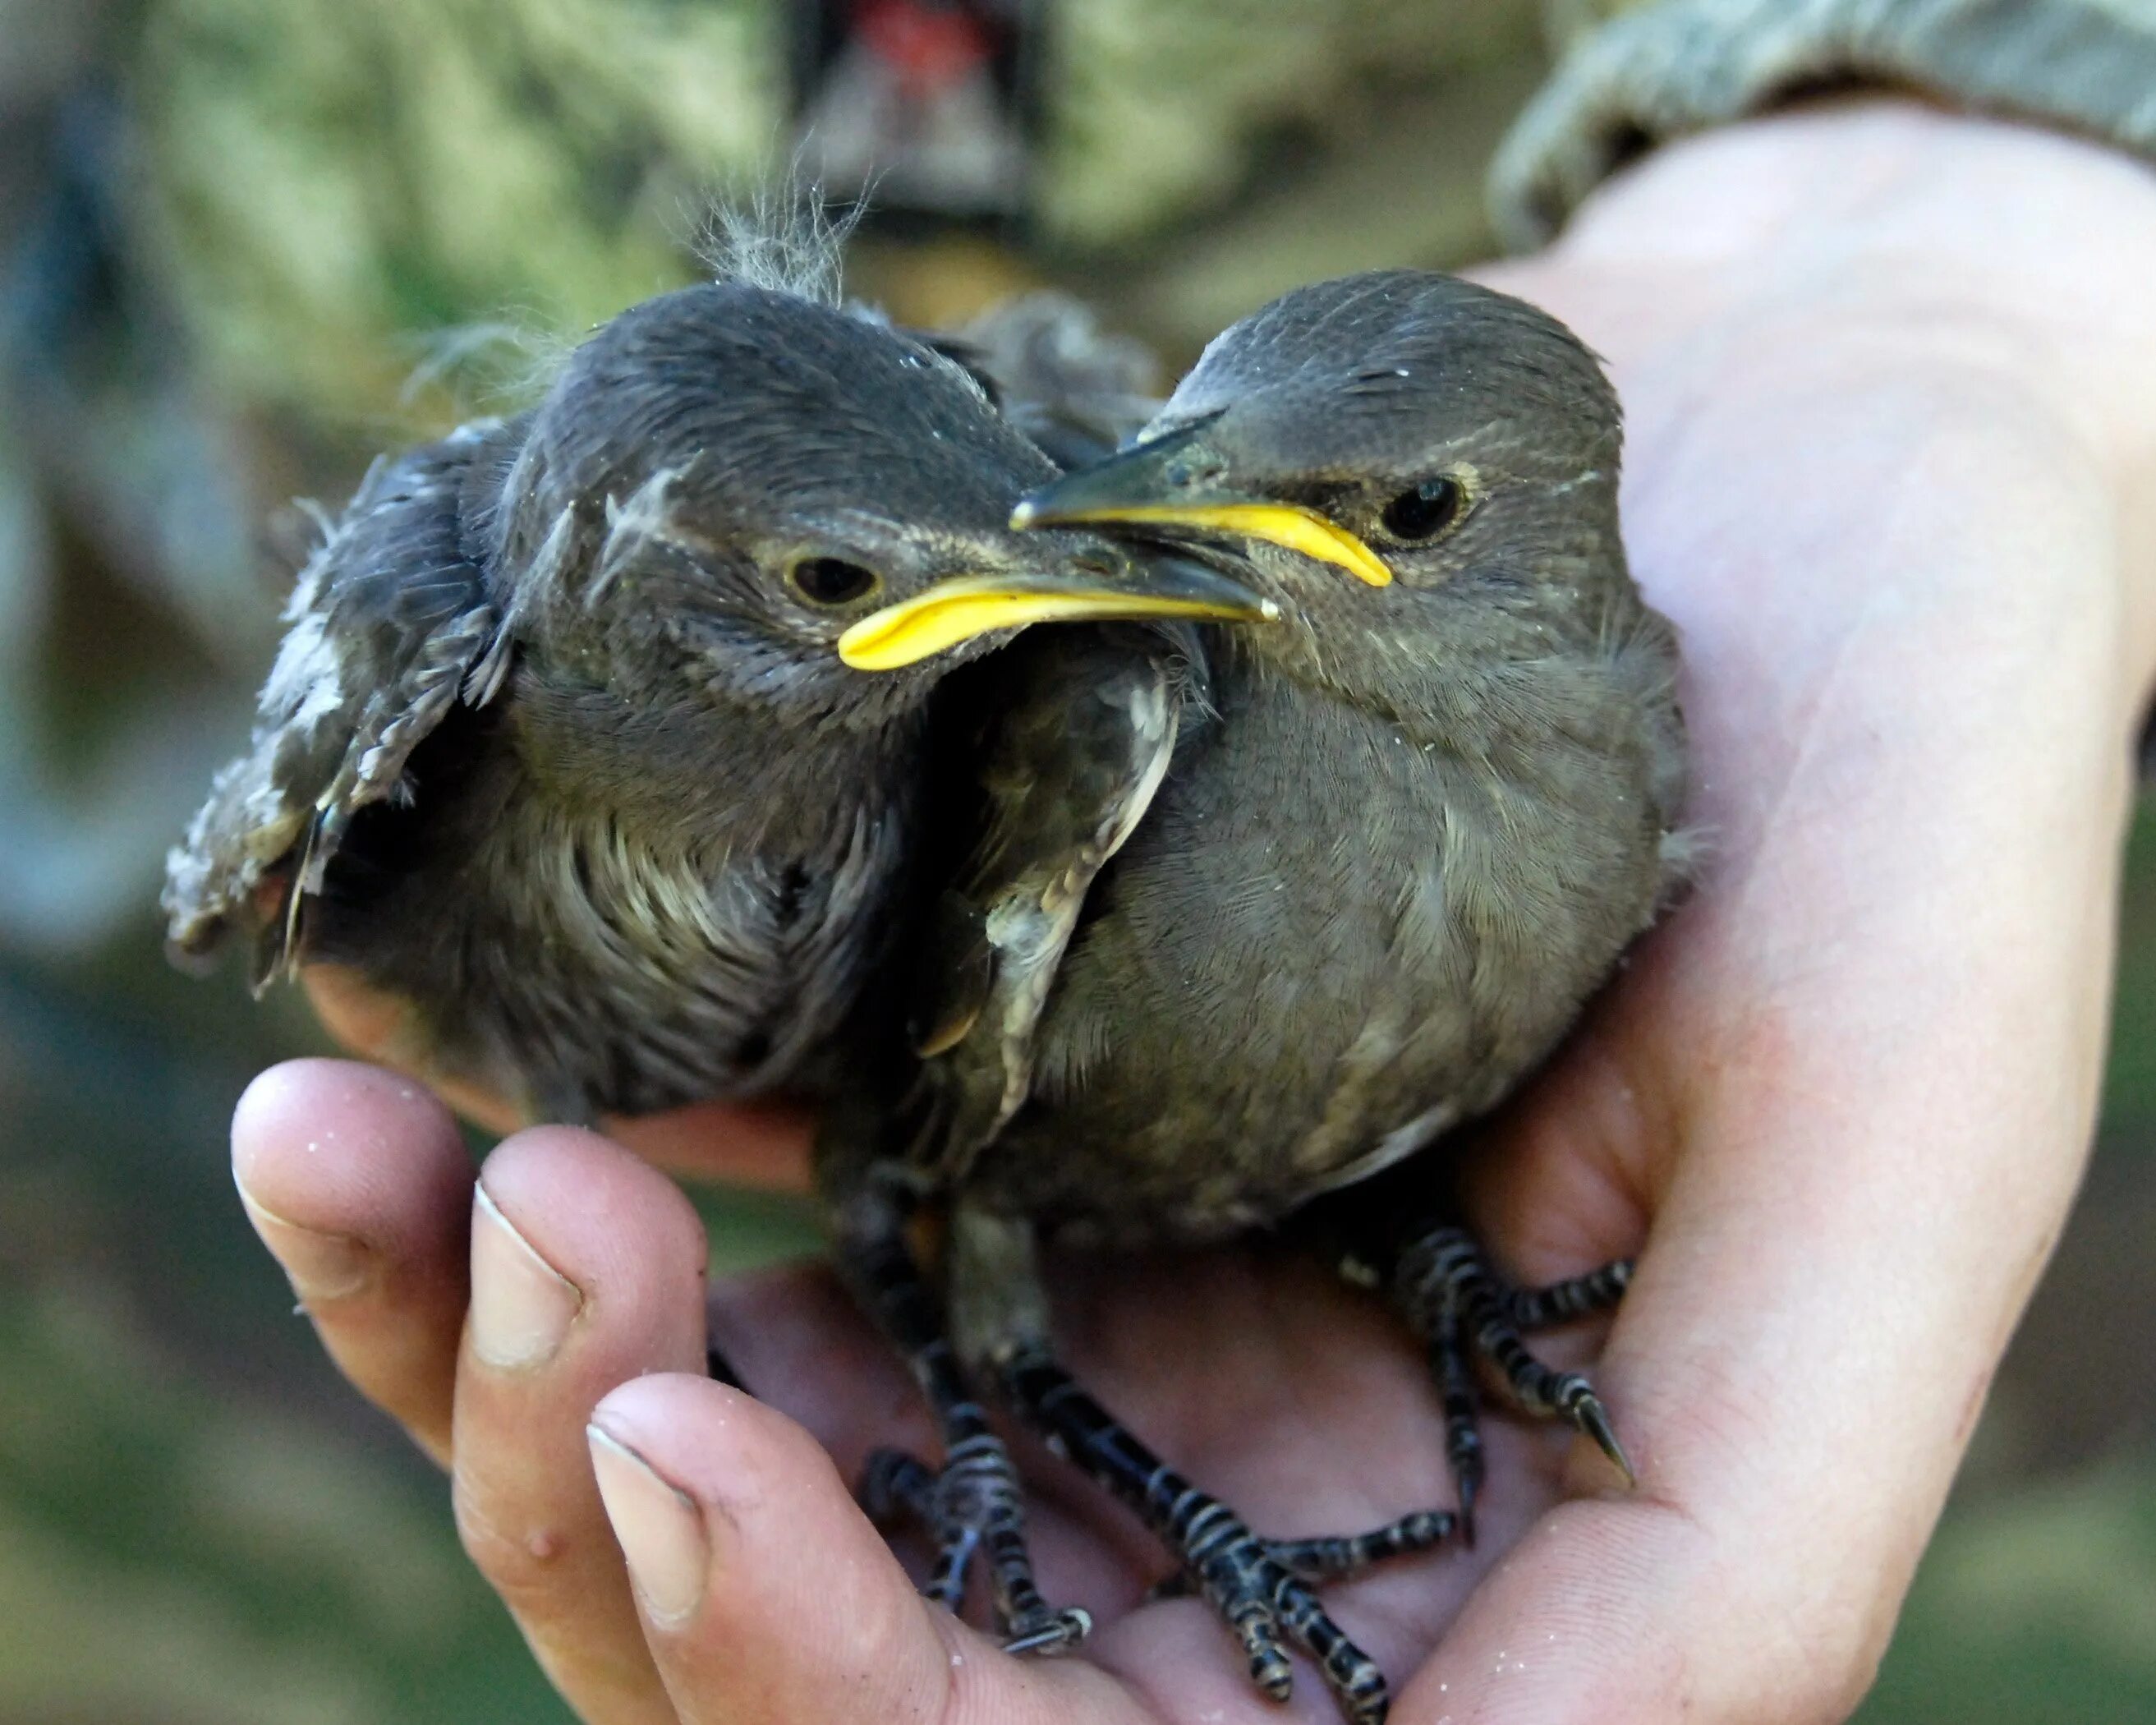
(572,744)
(605,740)
(1339,896)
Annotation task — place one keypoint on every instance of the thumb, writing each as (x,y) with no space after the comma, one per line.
(769,1599)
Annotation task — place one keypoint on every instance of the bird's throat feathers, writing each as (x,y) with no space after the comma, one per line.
(713,765)
(1472,668)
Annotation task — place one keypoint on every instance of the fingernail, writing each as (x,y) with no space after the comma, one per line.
(660,1529)
(319,1266)
(521,1306)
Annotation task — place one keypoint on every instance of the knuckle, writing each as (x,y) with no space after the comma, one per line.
(523,1560)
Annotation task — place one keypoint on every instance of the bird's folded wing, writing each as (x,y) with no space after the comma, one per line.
(389,625)
(1082,724)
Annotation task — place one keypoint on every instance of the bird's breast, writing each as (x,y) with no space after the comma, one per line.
(594,960)
(1330,942)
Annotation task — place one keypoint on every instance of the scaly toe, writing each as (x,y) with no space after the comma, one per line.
(1045,1637)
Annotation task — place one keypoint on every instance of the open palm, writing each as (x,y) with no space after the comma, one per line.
(1838,1102)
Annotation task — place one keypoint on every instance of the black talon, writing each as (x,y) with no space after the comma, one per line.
(1063,1631)
(1259,1631)
(1443,1285)
(1463,1438)
(1591,1417)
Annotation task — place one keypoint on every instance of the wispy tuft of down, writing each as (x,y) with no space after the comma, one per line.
(495,367)
(782,238)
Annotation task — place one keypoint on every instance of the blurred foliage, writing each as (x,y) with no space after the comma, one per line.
(347,195)
(2041,1607)
(329,177)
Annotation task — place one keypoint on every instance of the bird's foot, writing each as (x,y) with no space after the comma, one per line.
(1261,1589)
(1267,1606)
(1444,1285)
(973,1507)
(1339,1558)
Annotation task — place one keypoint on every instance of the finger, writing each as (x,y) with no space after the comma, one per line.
(769,1599)
(1869,1143)
(358,1184)
(1796,1369)
(761,1143)
(587,1270)
(1563,1178)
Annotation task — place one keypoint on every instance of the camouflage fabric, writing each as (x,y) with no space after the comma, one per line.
(330,183)
(1670,66)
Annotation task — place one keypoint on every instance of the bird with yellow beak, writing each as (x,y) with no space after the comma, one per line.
(603,742)
(1412,825)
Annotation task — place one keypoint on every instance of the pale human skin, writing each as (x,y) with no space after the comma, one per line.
(1890,385)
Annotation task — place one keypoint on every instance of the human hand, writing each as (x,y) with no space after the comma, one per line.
(1881,472)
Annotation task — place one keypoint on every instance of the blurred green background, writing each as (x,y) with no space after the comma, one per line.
(243,244)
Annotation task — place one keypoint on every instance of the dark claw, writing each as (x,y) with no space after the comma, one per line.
(1463,1438)
(1272,1672)
(1059,1633)
(895,1484)
(1445,1287)
(1590,1415)
(1259,1631)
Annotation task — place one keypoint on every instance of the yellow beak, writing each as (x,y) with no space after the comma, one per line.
(1284,524)
(957,609)
(1150,485)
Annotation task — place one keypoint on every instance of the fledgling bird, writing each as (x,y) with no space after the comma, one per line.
(604,741)
(572,746)
(1352,900)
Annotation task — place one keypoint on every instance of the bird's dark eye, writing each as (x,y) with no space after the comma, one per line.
(1426,509)
(832,581)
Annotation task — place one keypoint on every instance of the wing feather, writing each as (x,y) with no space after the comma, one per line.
(1084,724)
(386,624)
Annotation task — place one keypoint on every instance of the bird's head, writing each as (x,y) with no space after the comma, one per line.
(745,494)
(1397,454)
